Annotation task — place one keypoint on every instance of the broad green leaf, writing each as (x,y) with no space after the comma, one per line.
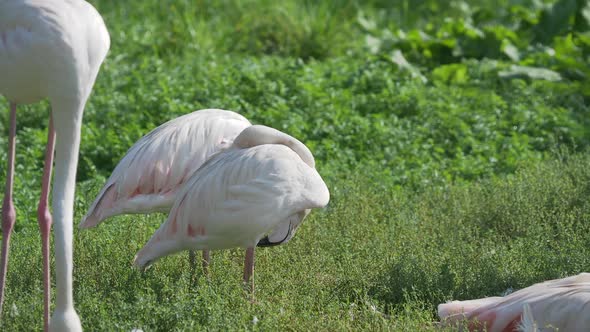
(365,22)
(453,73)
(534,73)
(583,16)
(510,50)
(398,58)
(555,20)
(373,43)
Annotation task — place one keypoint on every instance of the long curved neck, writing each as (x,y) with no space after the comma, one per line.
(258,135)
(67,118)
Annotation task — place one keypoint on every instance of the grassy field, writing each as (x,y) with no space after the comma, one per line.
(454,138)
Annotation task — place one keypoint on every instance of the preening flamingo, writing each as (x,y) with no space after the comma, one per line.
(561,303)
(266,182)
(153,170)
(50,49)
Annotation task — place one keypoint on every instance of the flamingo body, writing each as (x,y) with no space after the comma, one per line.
(266,181)
(561,303)
(150,174)
(51,49)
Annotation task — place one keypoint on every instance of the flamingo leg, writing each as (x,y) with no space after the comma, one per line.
(206,262)
(8,211)
(44,218)
(192,258)
(249,270)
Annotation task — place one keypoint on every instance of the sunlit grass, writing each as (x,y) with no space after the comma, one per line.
(378,259)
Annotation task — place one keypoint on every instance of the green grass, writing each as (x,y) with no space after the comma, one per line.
(374,259)
(446,173)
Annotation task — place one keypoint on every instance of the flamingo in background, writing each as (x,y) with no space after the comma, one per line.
(155,168)
(265,182)
(50,49)
(561,303)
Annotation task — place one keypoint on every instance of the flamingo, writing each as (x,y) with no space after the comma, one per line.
(50,49)
(560,303)
(155,168)
(266,182)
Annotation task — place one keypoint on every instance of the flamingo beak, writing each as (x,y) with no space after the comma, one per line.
(265,241)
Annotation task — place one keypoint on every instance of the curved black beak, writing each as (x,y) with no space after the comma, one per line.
(265,242)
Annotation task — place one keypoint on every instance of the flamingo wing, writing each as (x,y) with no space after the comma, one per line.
(235,198)
(149,175)
(562,303)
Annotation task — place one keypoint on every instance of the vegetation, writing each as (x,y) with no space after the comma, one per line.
(453,136)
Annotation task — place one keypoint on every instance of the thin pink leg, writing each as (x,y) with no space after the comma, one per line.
(249,269)
(8,211)
(44,218)
(192,257)
(206,262)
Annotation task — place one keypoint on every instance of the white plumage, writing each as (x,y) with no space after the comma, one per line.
(265,182)
(149,175)
(50,49)
(561,303)
(527,321)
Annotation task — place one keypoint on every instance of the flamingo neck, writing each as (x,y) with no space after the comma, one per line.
(259,135)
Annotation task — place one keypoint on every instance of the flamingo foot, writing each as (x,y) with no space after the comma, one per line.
(67,320)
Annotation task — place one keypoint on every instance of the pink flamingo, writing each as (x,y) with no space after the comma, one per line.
(266,182)
(50,49)
(561,303)
(155,168)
